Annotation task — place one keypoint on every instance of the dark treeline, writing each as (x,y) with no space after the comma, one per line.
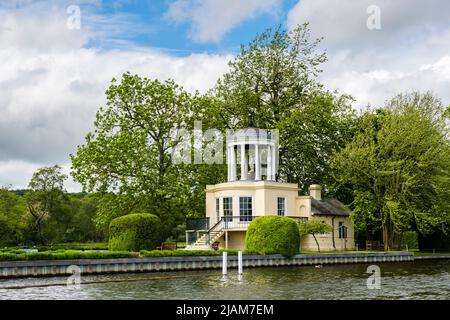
(70,220)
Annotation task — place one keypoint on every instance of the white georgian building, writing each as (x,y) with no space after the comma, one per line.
(252,190)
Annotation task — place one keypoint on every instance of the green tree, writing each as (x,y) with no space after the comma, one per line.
(127,159)
(46,190)
(272,84)
(313,227)
(398,168)
(12,218)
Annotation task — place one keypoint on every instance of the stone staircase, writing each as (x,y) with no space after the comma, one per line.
(208,238)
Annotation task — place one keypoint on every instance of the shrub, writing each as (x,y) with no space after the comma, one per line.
(184,253)
(75,246)
(65,255)
(409,239)
(134,232)
(273,235)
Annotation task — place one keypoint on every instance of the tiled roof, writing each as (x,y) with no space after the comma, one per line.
(329,207)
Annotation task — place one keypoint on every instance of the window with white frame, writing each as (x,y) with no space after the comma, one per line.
(281,206)
(228,208)
(217,209)
(245,208)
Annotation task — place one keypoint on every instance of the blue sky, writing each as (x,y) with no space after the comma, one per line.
(159,31)
(54,77)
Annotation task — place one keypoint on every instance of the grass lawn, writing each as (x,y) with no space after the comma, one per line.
(418,253)
(347,251)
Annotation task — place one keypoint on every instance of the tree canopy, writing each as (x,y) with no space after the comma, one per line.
(272,84)
(397,168)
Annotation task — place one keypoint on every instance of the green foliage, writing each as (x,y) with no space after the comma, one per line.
(45,196)
(397,168)
(127,159)
(63,255)
(69,218)
(187,253)
(12,218)
(272,84)
(135,232)
(273,235)
(75,246)
(409,239)
(314,226)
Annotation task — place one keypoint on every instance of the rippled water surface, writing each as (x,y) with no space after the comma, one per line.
(415,280)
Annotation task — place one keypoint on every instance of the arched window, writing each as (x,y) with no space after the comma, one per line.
(342,231)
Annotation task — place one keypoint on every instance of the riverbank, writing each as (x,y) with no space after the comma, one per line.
(12,269)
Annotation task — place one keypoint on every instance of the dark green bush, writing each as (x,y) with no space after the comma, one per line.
(12,250)
(273,235)
(135,232)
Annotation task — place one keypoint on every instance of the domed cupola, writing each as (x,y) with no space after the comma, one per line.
(255,151)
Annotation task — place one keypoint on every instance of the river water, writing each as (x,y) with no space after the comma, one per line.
(410,280)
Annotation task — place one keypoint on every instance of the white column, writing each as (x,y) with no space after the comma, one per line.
(257,163)
(244,164)
(233,163)
(274,163)
(269,163)
(229,163)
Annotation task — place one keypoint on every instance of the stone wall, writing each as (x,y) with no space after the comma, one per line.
(12,269)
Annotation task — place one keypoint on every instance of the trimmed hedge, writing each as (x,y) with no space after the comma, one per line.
(75,246)
(20,255)
(185,253)
(64,255)
(273,235)
(135,232)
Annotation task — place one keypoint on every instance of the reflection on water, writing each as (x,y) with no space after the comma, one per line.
(415,280)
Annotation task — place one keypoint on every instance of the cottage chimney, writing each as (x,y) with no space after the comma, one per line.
(315,191)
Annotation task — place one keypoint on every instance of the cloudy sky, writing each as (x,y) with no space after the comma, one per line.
(55,68)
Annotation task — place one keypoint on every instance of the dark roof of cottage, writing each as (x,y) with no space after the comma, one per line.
(329,207)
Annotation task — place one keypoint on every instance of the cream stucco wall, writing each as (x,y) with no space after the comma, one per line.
(264,199)
(326,240)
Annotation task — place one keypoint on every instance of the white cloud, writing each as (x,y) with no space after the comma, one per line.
(211,19)
(51,87)
(409,52)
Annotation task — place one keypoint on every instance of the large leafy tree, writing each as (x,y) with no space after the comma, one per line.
(12,218)
(272,84)
(45,196)
(397,168)
(127,158)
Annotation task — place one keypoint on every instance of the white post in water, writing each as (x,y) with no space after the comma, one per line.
(224,263)
(240,262)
